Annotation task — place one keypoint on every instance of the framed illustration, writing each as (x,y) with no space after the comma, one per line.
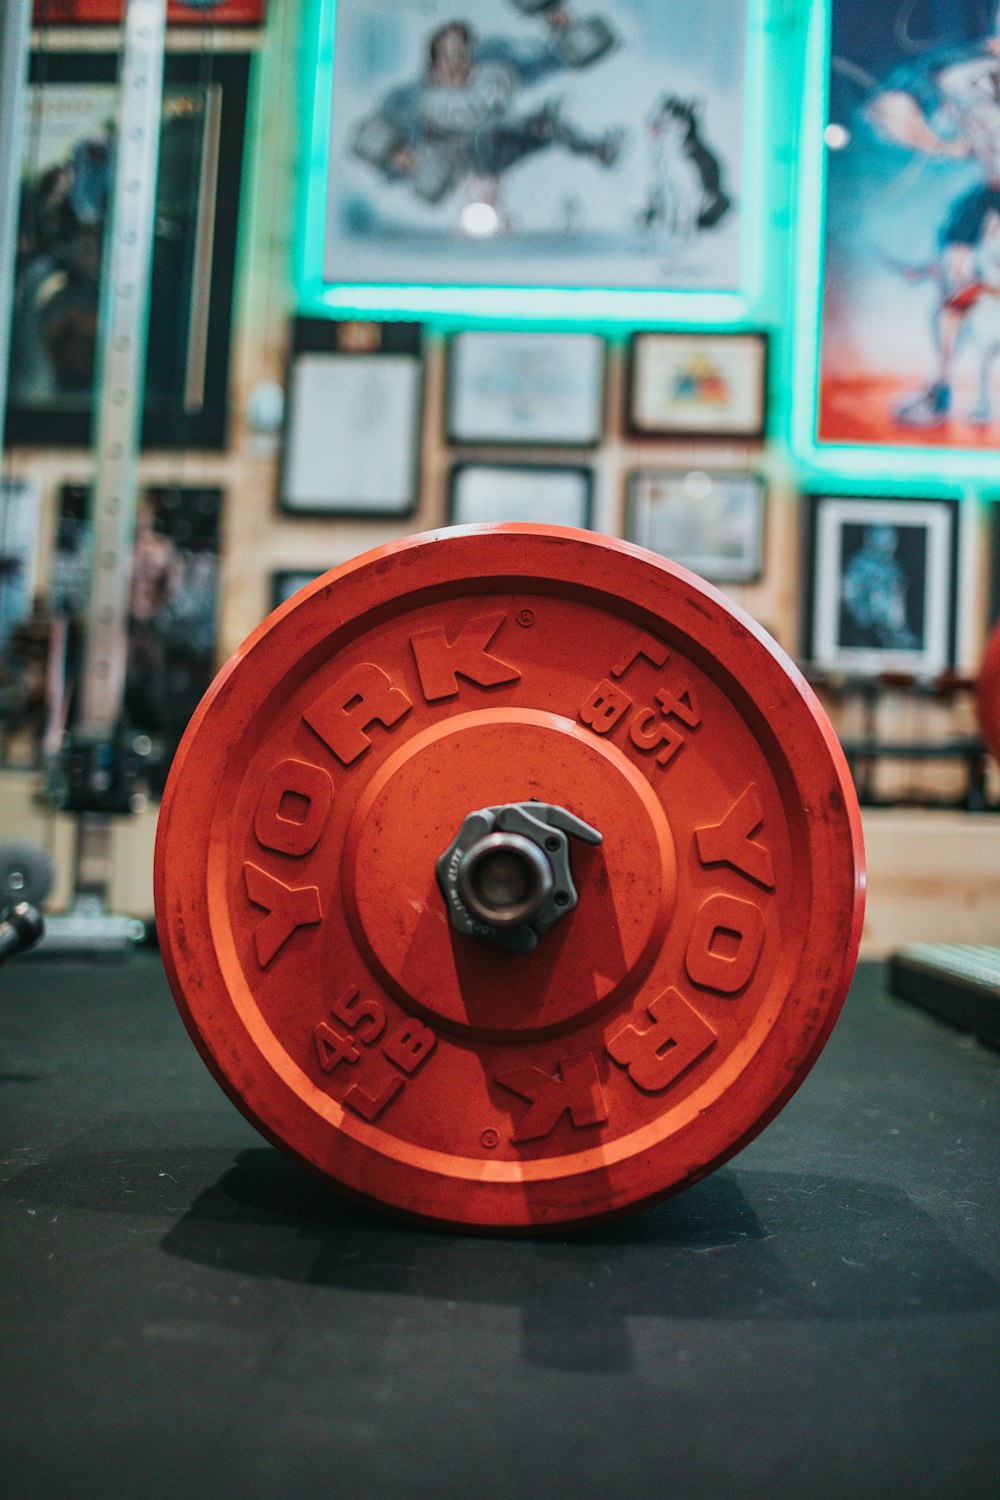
(523,144)
(65,184)
(710,523)
(697,384)
(556,496)
(881,584)
(352,435)
(910,233)
(110,12)
(542,389)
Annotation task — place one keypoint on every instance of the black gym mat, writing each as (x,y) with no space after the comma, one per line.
(186,1313)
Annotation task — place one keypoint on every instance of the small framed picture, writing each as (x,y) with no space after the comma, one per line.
(712,523)
(526,388)
(881,584)
(352,437)
(288,581)
(520,492)
(697,384)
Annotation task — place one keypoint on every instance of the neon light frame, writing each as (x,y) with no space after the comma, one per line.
(856,467)
(602,309)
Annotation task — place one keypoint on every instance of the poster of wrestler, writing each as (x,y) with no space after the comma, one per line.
(513,142)
(910,332)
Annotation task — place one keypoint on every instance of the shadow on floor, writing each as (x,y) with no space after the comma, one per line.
(740,1245)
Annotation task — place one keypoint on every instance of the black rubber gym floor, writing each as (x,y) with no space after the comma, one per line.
(186,1313)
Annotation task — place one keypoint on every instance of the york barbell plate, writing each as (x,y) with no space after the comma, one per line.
(654,1030)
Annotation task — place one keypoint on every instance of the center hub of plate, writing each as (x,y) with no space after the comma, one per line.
(504,880)
(413,808)
(506,875)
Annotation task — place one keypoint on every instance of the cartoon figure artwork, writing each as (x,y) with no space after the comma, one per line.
(874,592)
(913,232)
(686,193)
(460,123)
(500,142)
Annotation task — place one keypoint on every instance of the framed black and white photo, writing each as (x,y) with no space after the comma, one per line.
(712,523)
(65,193)
(881,584)
(553,496)
(526,388)
(352,436)
(697,384)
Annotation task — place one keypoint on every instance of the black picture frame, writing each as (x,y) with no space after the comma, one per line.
(512,413)
(190,329)
(727,400)
(375,376)
(539,474)
(287,581)
(898,613)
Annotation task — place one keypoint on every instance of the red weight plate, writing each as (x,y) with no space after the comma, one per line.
(658,1026)
(988,695)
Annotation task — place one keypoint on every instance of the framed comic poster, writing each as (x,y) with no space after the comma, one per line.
(710,523)
(910,307)
(65,183)
(352,435)
(697,384)
(881,584)
(523,143)
(556,496)
(526,388)
(110,12)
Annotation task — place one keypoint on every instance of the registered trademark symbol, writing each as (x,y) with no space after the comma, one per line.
(526,617)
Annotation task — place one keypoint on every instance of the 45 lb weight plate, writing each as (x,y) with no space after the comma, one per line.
(509,877)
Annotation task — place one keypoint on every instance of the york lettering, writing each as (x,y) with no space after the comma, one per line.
(725,944)
(730,842)
(574,1089)
(288,908)
(292,807)
(440,662)
(655,1055)
(363,696)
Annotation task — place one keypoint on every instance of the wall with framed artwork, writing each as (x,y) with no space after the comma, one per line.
(584,321)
